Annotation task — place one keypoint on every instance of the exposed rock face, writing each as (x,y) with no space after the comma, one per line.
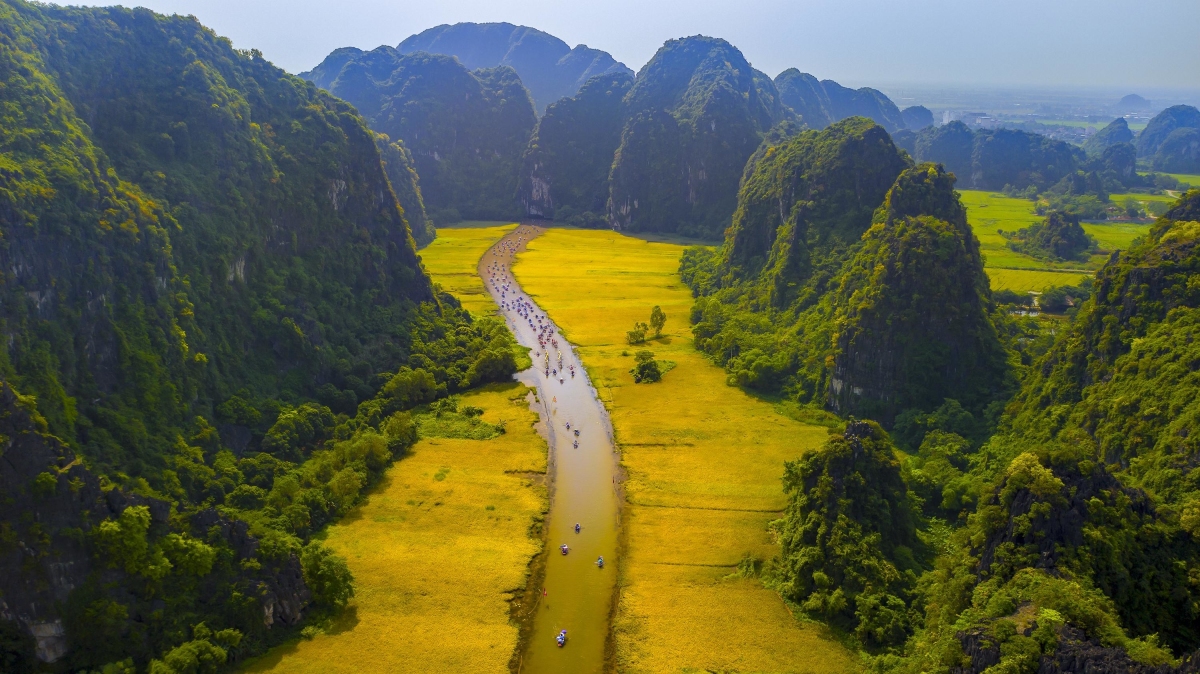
(807,200)
(466,130)
(565,168)
(51,503)
(895,346)
(696,114)
(547,66)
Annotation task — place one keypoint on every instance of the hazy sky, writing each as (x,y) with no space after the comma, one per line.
(1092,43)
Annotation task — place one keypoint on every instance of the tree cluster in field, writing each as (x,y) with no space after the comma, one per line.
(640,331)
(214,300)
(1059,237)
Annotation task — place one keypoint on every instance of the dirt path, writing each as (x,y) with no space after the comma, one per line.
(583,469)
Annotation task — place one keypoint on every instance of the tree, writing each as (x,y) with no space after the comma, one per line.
(638,334)
(645,370)
(657,320)
(327,576)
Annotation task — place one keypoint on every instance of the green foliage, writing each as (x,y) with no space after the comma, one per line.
(465,130)
(695,115)
(1059,237)
(327,576)
(204,654)
(637,335)
(445,419)
(658,319)
(402,174)
(565,167)
(646,370)
(848,536)
(123,543)
(214,282)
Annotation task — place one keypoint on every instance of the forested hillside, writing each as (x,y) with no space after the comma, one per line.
(696,114)
(1042,518)
(466,130)
(549,68)
(565,168)
(215,317)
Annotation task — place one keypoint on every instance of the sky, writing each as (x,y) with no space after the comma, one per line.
(1069,43)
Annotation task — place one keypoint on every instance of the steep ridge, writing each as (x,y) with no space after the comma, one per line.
(1176,117)
(820,290)
(466,130)
(912,324)
(696,114)
(401,171)
(204,256)
(547,66)
(1116,132)
(821,103)
(565,168)
(989,159)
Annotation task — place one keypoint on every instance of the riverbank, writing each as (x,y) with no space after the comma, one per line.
(437,551)
(703,463)
(577,589)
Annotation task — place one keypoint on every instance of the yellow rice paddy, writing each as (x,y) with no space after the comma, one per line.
(452,258)
(436,560)
(703,463)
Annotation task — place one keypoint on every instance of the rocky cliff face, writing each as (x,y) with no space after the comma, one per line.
(896,346)
(696,114)
(52,504)
(466,129)
(805,199)
(565,168)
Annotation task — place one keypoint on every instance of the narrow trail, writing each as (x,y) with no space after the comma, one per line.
(583,468)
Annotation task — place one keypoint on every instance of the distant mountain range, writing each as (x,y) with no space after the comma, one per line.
(547,66)
(500,124)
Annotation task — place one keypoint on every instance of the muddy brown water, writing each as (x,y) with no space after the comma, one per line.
(577,593)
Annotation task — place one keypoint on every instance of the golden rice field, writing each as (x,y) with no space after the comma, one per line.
(437,550)
(452,258)
(703,462)
(988,212)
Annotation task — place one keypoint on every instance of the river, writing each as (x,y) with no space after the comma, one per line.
(577,592)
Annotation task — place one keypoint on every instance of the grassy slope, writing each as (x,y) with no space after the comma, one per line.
(452,257)
(988,212)
(435,560)
(703,462)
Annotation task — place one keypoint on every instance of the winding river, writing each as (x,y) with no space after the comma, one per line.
(576,594)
